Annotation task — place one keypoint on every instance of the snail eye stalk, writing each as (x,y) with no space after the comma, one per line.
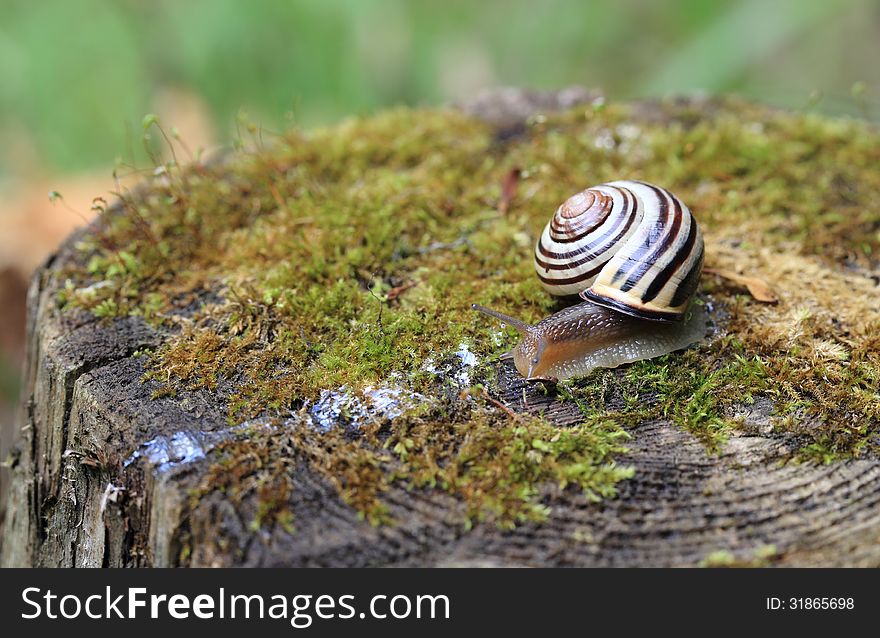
(521,326)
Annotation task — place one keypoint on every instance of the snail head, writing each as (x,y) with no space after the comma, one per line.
(528,354)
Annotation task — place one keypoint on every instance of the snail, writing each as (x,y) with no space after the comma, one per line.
(633,253)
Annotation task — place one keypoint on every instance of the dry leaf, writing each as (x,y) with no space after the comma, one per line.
(758,288)
(508,189)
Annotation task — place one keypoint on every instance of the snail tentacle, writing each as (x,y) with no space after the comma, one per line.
(521,326)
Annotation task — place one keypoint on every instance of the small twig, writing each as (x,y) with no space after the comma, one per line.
(395,292)
(496,402)
(381,305)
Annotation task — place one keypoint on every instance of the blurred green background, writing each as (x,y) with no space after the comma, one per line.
(78,75)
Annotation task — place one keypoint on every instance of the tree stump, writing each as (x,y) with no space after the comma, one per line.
(757,447)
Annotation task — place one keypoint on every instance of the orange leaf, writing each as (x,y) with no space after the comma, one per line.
(758,288)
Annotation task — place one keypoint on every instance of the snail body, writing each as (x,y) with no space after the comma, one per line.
(634,253)
(580,338)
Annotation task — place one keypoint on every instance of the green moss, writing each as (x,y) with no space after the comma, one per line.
(694,390)
(252,465)
(763,556)
(496,464)
(345,255)
(498,468)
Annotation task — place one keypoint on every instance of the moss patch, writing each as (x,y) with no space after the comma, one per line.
(496,464)
(694,389)
(344,255)
(762,556)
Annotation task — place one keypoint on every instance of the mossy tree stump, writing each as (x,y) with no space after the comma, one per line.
(271,360)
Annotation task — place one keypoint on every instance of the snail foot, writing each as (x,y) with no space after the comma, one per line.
(551,380)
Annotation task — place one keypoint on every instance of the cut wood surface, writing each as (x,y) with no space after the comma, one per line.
(106,474)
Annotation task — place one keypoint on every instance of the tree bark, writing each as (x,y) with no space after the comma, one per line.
(85,491)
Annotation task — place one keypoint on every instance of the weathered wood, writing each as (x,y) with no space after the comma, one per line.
(103,473)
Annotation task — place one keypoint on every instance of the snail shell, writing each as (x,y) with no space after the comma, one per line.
(634,253)
(631,246)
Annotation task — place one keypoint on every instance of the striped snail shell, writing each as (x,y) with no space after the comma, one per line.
(627,245)
(633,252)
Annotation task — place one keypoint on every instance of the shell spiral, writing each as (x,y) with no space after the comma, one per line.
(627,245)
